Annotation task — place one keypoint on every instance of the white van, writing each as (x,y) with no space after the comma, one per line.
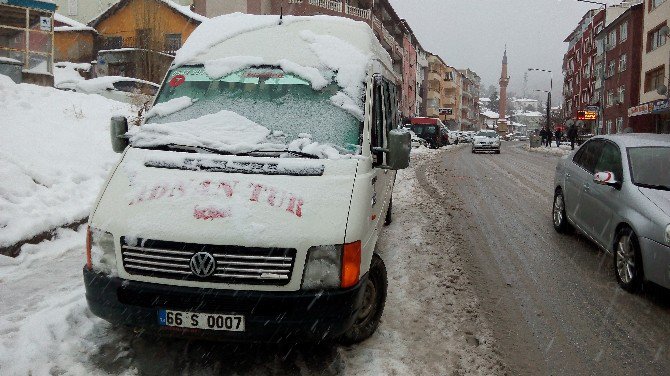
(249,204)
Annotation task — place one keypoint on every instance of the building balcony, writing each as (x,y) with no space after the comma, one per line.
(337,6)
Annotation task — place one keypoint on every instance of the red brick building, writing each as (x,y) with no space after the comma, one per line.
(579,66)
(622,41)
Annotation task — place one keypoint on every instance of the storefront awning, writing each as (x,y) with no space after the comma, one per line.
(660,106)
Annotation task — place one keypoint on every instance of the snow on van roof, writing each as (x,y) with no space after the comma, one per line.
(214,37)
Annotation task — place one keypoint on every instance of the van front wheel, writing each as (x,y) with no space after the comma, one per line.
(372,307)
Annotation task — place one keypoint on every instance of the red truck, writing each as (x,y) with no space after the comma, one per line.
(432,130)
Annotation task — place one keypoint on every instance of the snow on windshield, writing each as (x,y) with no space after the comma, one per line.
(224,130)
(170,107)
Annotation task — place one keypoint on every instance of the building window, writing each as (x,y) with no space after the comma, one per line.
(587,45)
(112,43)
(608,126)
(622,94)
(449,76)
(172,42)
(619,125)
(612,69)
(656,38)
(72,8)
(611,40)
(622,63)
(653,4)
(654,79)
(623,31)
(610,98)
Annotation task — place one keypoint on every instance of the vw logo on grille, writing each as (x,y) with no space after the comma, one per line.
(203,264)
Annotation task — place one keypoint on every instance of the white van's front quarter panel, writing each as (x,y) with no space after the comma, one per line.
(234,209)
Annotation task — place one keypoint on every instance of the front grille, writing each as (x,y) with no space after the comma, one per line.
(234,264)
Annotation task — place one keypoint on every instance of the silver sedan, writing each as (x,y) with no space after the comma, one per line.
(616,190)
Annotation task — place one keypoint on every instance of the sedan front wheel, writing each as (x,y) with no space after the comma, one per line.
(560,219)
(628,261)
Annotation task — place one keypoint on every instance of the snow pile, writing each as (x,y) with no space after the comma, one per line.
(348,61)
(186,11)
(562,150)
(9,60)
(218,68)
(313,75)
(66,72)
(216,30)
(305,144)
(224,130)
(54,156)
(100,84)
(170,107)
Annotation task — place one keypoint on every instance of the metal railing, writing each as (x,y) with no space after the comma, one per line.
(333,5)
(358,12)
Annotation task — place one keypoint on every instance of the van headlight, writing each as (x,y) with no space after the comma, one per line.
(332,266)
(100,252)
(323,268)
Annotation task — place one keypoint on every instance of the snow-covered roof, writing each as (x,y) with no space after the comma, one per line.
(490,114)
(182,9)
(528,113)
(70,24)
(526,100)
(9,60)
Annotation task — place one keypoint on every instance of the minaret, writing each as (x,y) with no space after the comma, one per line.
(504,81)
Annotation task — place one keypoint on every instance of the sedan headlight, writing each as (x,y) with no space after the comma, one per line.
(100,252)
(667,235)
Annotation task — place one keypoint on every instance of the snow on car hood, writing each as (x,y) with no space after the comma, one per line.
(214,199)
(659,198)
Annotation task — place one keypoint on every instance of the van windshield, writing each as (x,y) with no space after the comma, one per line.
(283,103)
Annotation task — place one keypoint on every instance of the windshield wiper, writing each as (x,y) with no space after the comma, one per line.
(188,148)
(654,186)
(294,152)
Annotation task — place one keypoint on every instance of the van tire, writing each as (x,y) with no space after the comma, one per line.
(372,308)
(389,214)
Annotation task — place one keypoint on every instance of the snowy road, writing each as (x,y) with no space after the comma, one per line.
(432,324)
(551,300)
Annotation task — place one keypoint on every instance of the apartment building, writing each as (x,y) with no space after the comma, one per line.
(469,108)
(579,62)
(622,46)
(436,86)
(654,109)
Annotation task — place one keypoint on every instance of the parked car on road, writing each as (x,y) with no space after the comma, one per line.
(486,141)
(616,190)
(417,141)
(122,89)
(430,129)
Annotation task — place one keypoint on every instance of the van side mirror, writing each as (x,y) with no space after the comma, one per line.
(118,129)
(399,147)
(606,178)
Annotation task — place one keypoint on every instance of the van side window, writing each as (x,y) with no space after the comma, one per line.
(389,108)
(377,126)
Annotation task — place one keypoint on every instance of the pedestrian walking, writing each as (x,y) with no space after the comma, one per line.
(559,137)
(543,135)
(572,135)
(550,135)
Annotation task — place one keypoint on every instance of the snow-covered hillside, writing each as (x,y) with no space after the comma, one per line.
(54,155)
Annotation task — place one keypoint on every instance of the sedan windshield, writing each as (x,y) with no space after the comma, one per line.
(646,167)
(487,134)
(280,107)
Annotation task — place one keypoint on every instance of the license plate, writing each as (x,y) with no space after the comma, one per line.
(195,320)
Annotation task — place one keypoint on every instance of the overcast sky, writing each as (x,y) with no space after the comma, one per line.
(473,33)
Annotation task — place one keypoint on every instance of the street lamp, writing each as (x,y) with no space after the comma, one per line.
(551,88)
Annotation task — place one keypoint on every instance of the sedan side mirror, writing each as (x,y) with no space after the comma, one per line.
(606,178)
(118,129)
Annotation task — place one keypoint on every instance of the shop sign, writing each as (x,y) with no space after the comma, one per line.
(587,115)
(642,109)
(662,105)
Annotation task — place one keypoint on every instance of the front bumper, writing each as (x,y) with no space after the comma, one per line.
(485,147)
(271,317)
(656,261)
